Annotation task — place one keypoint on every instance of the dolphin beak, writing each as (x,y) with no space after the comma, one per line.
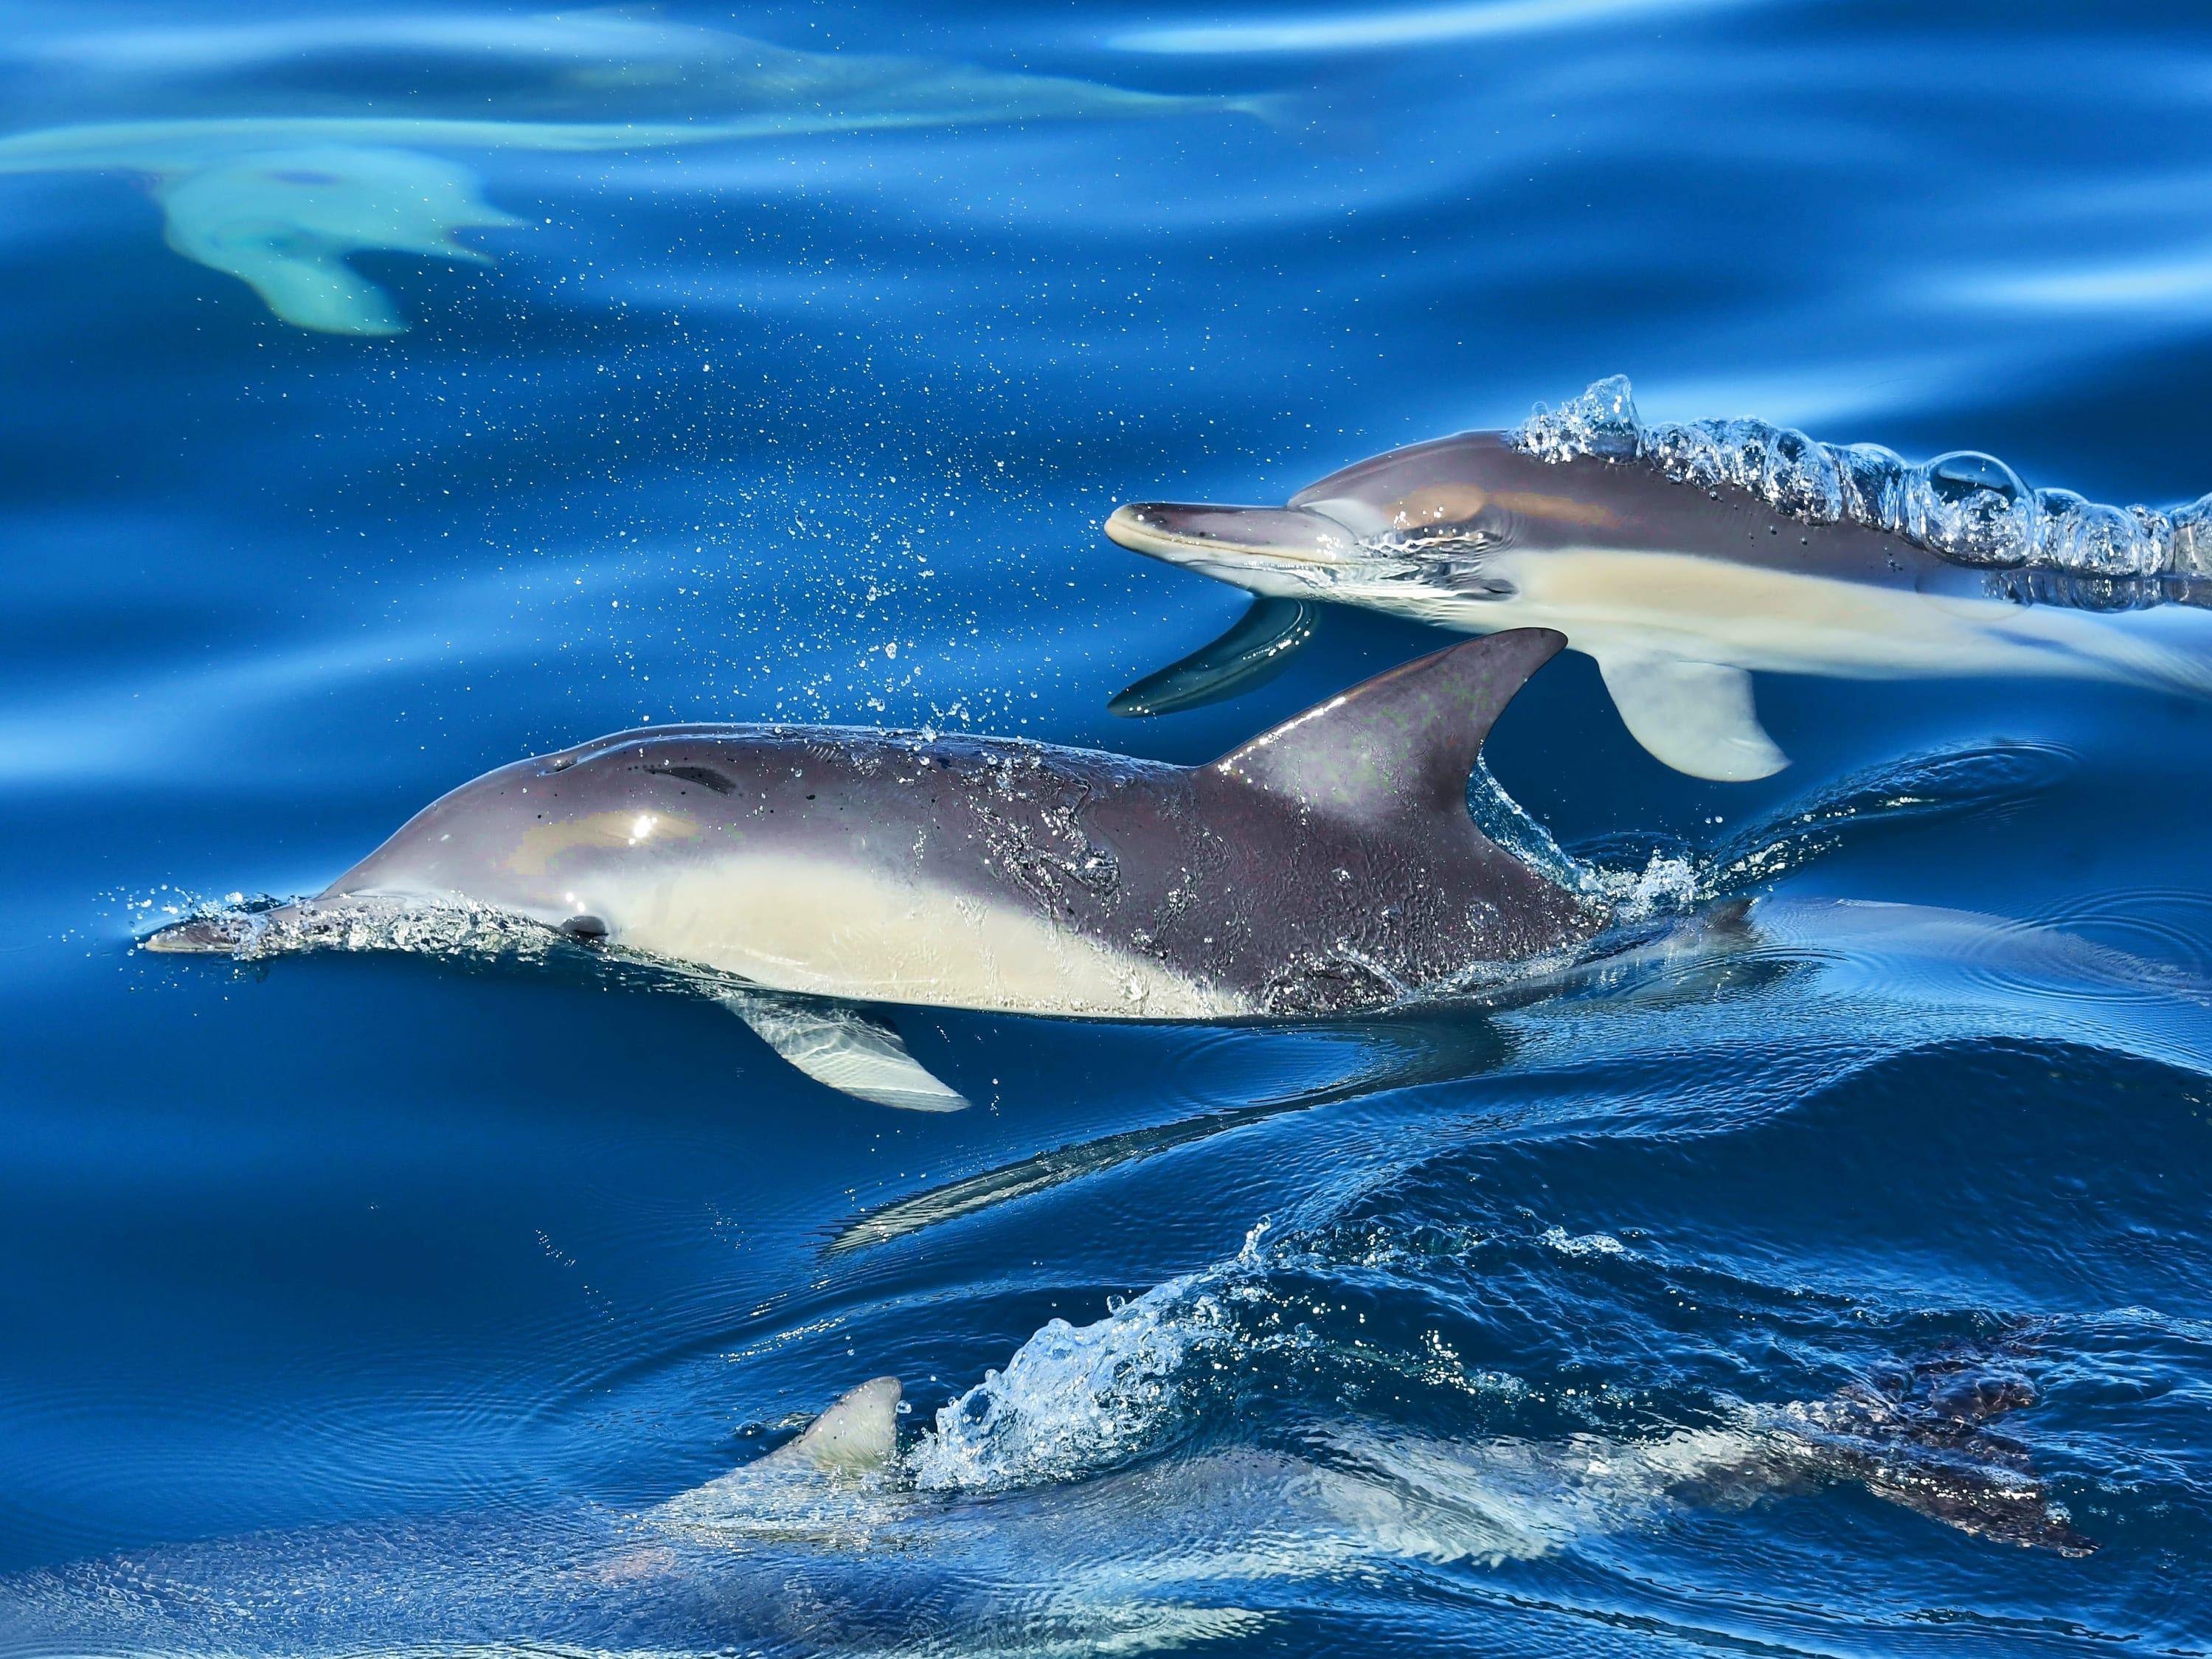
(1189,534)
(201,936)
(226,933)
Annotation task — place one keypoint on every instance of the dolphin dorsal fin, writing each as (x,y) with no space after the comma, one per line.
(859,1432)
(1401,743)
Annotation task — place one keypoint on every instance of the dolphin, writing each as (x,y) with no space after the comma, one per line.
(1919,1435)
(271,163)
(1326,865)
(1680,590)
(853,1553)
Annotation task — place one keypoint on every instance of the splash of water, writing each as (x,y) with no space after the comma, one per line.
(1965,506)
(1515,829)
(1643,877)
(259,928)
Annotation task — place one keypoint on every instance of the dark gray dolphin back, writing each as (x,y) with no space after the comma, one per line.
(1401,745)
(1358,874)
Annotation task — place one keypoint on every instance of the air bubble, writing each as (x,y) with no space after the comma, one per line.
(1965,506)
(2190,547)
(1972,508)
(2077,534)
(1801,478)
(1873,481)
(1602,422)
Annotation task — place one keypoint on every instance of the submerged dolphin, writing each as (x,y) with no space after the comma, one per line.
(840,1543)
(1919,1436)
(276,179)
(1679,592)
(1328,864)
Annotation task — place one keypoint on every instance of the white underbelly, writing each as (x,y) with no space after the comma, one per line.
(836,930)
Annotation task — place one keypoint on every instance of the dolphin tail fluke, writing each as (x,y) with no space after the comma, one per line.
(1696,717)
(1403,745)
(843,1049)
(1259,647)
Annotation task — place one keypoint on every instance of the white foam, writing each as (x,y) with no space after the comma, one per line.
(1965,506)
(1581,1245)
(1073,1400)
(1668,885)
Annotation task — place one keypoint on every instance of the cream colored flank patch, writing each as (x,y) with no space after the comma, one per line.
(1744,616)
(798,925)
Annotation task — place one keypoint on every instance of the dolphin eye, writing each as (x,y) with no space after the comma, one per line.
(1460,571)
(1470,534)
(1454,557)
(1488,527)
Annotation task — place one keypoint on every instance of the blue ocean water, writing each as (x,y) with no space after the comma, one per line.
(396,392)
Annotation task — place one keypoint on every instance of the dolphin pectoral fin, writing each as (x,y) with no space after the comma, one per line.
(844,1050)
(1696,717)
(1034,1174)
(1259,647)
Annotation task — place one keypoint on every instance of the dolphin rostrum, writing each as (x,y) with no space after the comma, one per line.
(1326,865)
(1680,588)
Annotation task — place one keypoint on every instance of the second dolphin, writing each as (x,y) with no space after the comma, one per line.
(1682,587)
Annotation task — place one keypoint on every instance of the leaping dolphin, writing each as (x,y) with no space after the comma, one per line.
(1328,864)
(1681,580)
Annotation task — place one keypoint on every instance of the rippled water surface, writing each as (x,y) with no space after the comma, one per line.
(392,394)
